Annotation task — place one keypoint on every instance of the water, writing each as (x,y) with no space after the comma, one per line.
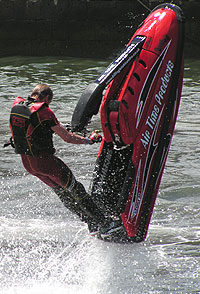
(45,249)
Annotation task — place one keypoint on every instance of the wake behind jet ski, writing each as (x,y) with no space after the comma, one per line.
(138,116)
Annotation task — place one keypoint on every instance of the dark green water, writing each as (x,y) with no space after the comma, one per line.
(45,249)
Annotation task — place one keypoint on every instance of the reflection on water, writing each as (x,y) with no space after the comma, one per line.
(45,249)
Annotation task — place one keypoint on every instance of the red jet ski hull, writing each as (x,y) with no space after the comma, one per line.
(138,116)
(139,112)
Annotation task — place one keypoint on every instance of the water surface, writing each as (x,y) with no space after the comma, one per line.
(45,249)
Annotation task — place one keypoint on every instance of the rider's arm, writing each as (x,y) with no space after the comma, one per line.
(70,137)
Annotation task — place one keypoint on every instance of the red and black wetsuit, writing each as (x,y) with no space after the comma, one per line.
(30,124)
(36,147)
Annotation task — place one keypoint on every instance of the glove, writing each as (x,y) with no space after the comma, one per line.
(95,137)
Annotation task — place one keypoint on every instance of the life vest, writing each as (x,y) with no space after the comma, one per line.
(30,134)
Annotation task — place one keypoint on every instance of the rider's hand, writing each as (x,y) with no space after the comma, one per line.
(95,137)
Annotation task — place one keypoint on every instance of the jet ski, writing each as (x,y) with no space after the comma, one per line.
(138,96)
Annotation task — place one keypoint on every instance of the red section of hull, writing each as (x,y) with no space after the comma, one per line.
(161,31)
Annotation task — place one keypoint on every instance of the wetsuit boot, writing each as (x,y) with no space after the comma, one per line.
(69,202)
(78,201)
(95,217)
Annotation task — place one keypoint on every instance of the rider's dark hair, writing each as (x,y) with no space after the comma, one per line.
(42,90)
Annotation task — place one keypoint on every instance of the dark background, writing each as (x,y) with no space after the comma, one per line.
(81,28)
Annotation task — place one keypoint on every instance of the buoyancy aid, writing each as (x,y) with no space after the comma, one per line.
(31,135)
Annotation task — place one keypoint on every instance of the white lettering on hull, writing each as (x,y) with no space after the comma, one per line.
(159,96)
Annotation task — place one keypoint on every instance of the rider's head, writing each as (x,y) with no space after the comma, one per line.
(42,93)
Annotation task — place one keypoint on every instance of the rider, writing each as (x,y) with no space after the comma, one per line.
(32,124)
